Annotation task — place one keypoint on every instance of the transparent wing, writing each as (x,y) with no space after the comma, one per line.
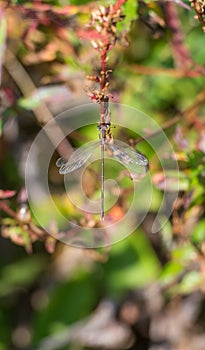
(61,161)
(136,162)
(77,159)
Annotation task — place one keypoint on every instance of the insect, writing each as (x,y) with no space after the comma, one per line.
(136,163)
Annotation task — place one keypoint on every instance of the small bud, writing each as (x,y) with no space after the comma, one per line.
(113,28)
(97,13)
(94,44)
(103,11)
(101,43)
(24,214)
(93,78)
(111,8)
(98,28)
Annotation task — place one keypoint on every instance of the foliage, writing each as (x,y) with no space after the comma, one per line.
(43,60)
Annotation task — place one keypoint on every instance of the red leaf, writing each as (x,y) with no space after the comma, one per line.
(118,4)
(90,35)
(6,194)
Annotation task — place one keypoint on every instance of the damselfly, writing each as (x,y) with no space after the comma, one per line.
(136,163)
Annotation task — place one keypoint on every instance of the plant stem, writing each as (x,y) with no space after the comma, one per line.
(102,84)
(42,113)
(9,211)
(180,52)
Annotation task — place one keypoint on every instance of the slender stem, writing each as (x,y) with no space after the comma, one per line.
(177,73)
(102,121)
(189,115)
(9,211)
(103,83)
(181,54)
(42,113)
(102,213)
(30,228)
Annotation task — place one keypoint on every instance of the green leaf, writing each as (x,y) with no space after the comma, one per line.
(184,254)
(198,235)
(195,158)
(20,274)
(29,103)
(78,2)
(130,12)
(68,302)
(170,272)
(190,282)
(132,264)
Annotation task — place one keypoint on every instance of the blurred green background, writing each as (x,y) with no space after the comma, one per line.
(52,291)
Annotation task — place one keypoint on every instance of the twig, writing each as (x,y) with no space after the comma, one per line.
(9,211)
(181,54)
(172,72)
(103,36)
(29,225)
(189,113)
(42,113)
(199,7)
(165,126)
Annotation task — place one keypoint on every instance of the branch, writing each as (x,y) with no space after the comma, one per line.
(42,113)
(9,211)
(181,54)
(176,73)
(189,113)
(199,7)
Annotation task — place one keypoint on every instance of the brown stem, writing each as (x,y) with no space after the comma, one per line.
(165,126)
(103,83)
(181,54)
(103,68)
(199,11)
(40,233)
(9,211)
(189,113)
(177,73)
(42,113)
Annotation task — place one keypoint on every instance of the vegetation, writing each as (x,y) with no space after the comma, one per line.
(146,291)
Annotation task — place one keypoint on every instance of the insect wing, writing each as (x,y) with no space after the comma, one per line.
(135,161)
(77,159)
(61,161)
